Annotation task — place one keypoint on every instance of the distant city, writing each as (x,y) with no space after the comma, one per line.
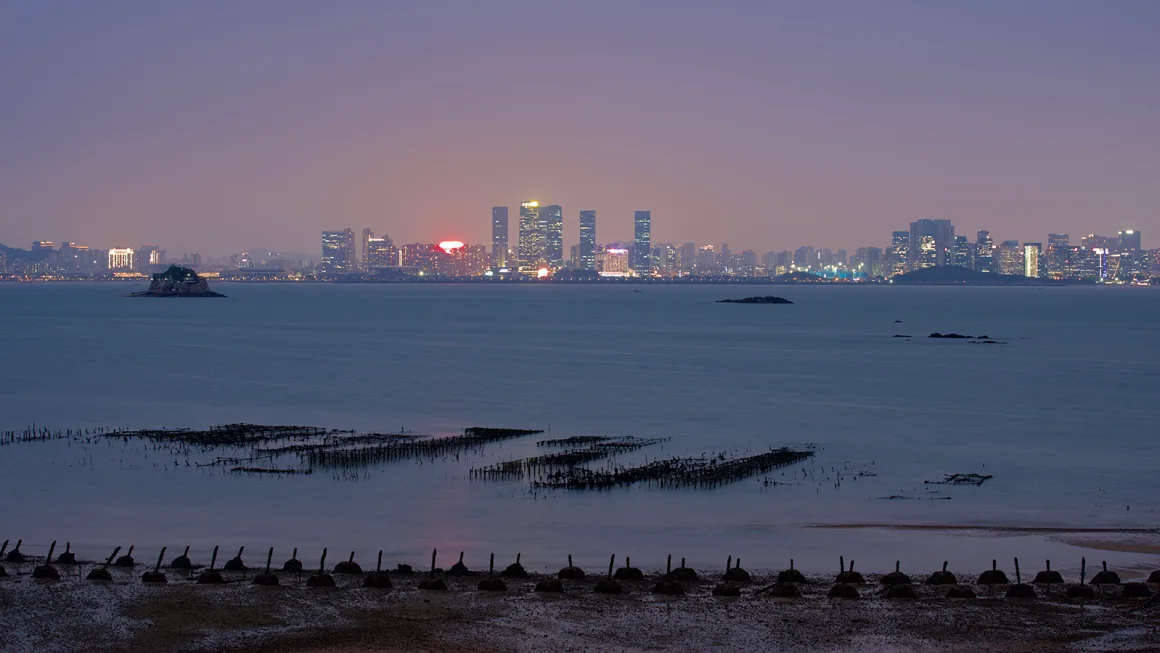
(538,253)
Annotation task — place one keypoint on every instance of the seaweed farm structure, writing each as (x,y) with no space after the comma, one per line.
(290,450)
(674,472)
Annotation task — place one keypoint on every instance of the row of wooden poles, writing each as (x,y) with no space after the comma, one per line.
(895,584)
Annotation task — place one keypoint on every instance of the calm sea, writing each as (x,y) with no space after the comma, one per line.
(1063,416)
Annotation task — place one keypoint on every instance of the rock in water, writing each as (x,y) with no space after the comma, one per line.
(769,299)
(177,282)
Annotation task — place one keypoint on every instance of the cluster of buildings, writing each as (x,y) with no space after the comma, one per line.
(933,243)
(538,251)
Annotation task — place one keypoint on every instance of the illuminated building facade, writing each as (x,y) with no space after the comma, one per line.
(338,252)
(614,263)
(1009,258)
(1058,256)
(642,243)
(381,253)
(1031,259)
(121,259)
(587,249)
(531,245)
(499,236)
(552,227)
(931,243)
(984,251)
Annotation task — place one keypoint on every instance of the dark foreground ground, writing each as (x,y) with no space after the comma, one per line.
(73,615)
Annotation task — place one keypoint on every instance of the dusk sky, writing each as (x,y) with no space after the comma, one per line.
(217,126)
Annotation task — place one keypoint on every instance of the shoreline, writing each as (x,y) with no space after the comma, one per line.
(75,616)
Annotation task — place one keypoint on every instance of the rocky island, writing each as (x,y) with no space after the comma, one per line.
(177,282)
(769,299)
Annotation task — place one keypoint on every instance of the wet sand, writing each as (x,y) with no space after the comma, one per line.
(76,616)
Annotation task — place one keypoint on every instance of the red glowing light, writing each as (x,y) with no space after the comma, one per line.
(450,245)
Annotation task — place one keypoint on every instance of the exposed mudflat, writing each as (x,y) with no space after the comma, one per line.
(73,615)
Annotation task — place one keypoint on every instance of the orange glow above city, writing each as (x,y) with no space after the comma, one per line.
(450,245)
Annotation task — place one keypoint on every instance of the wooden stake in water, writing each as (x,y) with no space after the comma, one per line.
(669,565)
(112,557)
(1082,569)
(434,552)
(213,559)
(379,564)
(1018,578)
(51,548)
(611,561)
(269,558)
(491,565)
(322,562)
(157,567)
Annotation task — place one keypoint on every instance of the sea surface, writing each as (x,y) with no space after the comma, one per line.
(1063,415)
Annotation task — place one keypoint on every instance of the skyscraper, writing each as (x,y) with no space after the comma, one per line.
(962,253)
(587,240)
(381,253)
(641,243)
(552,226)
(984,251)
(1031,259)
(931,243)
(1058,255)
(338,251)
(898,254)
(1009,258)
(531,246)
(499,236)
(1129,241)
(364,262)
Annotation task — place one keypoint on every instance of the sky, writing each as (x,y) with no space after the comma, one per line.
(217,126)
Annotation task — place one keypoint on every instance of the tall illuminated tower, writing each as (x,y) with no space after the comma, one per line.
(552,228)
(588,240)
(641,243)
(531,245)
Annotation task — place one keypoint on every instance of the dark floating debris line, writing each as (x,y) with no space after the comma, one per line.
(674,472)
(565,459)
(961,479)
(426,447)
(227,435)
(264,470)
(574,441)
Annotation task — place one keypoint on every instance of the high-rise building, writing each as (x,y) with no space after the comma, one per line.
(706,263)
(587,252)
(898,254)
(1009,258)
(552,226)
(338,252)
(499,236)
(531,245)
(962,253)
(931,243)
(364,261)
(641,243)
(984,251)
(1130,241)
(1031,253)
(121,259)
(687,259)
(615,262)
(804,258)
(381,253)
(1058,256)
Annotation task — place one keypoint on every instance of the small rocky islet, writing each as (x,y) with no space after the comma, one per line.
(177,281)
(768,299)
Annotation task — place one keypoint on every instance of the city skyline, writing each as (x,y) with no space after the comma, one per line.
(759,123)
